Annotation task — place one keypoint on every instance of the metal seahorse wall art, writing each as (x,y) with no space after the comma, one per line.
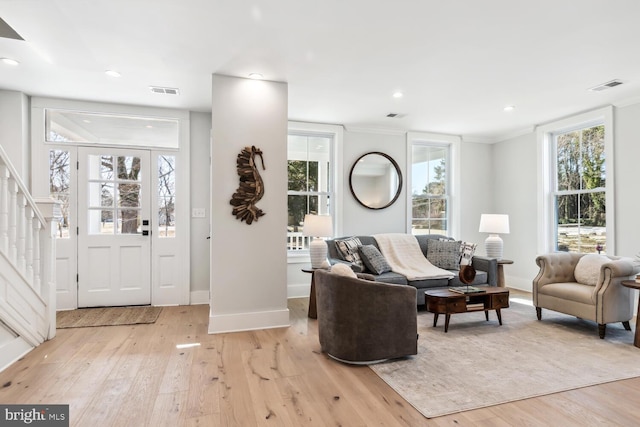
(251,188)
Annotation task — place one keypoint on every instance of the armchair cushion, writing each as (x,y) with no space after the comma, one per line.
(587,270)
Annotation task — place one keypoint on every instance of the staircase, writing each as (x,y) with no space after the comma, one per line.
(27,267)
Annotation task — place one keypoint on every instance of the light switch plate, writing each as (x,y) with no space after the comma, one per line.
(198,213)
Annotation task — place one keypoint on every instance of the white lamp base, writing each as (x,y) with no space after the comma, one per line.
(493,246)
(318,253)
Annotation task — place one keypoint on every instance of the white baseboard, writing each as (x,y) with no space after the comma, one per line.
(199,297)
(299,290)
(248,321)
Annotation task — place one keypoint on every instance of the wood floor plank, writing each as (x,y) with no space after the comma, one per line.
(135,376)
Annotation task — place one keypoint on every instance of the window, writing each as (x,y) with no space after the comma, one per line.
(64,126)
(430,193)
(310,183)
(166,196)
(114,194)
(579,194)
(575,162)
(60,187)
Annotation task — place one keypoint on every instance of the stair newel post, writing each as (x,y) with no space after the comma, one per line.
(4,209)
(51,213)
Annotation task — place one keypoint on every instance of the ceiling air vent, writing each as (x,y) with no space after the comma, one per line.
(605,86)
(396,115)
(164,90)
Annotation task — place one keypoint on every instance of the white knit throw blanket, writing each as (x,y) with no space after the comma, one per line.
(404,255)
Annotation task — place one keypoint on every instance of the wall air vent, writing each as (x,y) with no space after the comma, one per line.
(164,90)
(395,115)
(605,86)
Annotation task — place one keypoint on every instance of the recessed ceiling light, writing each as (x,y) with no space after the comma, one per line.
(509,108)
(398,95)
(10,61)
(112,73)
(256,76)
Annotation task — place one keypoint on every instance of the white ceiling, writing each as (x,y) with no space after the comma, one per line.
(458,62)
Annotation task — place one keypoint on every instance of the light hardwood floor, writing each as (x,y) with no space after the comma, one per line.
(135,376)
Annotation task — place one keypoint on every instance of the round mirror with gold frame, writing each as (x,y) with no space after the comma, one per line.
(375,180)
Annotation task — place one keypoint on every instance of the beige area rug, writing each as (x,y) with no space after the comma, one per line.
(106,316)
(479,363)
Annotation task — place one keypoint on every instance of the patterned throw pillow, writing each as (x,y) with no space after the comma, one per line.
(466,252)
(373,259)
(348,249)
(444,254)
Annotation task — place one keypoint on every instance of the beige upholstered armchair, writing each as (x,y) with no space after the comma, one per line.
(362,321)
(585,286)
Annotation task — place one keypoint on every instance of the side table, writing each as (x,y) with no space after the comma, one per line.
(501,263)
(635,285)
(313,313)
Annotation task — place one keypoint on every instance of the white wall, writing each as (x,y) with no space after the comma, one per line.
(248,262)
(356,218)
(515,194)
(627,179)
(200,190)
(14,131)
(476,191)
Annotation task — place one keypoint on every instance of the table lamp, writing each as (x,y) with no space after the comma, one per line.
(494,224)
(318,226)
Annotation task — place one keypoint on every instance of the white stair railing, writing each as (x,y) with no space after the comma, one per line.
(27,253)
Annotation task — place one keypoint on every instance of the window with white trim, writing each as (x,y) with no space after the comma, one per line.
(310,182)
(575,184)
(580,190)
(430,189)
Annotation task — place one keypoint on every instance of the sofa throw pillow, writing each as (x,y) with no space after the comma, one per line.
(348,249)
(343,270)
(444,254)
(373,259)
(467,250)
(587,270)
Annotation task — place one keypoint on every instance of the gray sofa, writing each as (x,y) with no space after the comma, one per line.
(486,268)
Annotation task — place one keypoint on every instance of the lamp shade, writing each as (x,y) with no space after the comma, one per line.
(317,226)
(494,224)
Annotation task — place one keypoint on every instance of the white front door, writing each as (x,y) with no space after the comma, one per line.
(114,214)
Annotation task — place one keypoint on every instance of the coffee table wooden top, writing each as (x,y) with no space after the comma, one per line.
(445,293)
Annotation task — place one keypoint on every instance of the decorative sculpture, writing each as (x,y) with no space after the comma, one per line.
(251,187)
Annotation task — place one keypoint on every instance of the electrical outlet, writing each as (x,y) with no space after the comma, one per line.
(198,213)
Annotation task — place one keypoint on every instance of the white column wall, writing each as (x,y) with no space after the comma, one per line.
(14,132)
(248,262)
